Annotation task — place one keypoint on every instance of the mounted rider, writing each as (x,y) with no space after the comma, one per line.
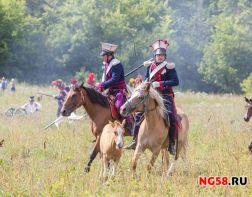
(113,76)
(163,77)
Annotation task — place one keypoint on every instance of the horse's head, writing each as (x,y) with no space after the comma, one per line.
(248,108)
(119,130)
(138,100)
(74,99)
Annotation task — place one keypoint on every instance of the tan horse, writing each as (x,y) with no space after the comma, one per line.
(111,145)
(153,131)
(96,106)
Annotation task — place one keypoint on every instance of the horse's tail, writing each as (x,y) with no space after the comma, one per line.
(182,142)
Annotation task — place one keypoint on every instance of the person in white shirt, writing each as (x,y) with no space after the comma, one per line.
(32,106)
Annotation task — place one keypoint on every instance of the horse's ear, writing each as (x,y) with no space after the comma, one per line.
(77,88)
(124,123)
(148,85)
(111,123)
(246,99)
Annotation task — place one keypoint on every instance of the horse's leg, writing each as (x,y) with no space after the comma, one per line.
(101,157)
(183,149)
(136,156)
(185,160)
(100,175)
(93,154)
(171,168)
(153,159)
(115,163)
(165,157)
(105,167)
(180,145)
(183,145)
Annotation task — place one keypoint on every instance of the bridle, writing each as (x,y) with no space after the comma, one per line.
(73,102)
(82,97)
(131,108)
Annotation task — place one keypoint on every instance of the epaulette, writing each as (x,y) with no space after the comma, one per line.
(114,62)
(170,65)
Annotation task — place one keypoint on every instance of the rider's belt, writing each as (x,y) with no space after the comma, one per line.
(118,85)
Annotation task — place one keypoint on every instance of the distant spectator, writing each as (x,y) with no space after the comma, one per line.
(3,85)
(32,106)
(13,86)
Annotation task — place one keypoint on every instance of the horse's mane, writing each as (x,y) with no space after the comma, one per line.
(96,97)
(157,97)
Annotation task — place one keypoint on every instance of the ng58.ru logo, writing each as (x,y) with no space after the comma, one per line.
(223,180)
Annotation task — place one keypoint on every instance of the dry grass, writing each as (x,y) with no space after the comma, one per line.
(34,162)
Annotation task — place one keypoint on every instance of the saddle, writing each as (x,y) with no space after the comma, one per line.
(114,111)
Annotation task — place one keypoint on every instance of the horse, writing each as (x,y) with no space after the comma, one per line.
(153,131)
(111,144)
(248,108)
(98,109)
(248,115)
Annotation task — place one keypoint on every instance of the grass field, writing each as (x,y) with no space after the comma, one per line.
(35,162)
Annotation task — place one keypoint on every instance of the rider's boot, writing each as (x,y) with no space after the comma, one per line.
(172,148)
(133,144)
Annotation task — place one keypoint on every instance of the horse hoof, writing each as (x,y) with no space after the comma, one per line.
(87,169)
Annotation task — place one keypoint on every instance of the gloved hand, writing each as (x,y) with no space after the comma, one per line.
(155,84)
(55,96)
(147,63)
(99,87)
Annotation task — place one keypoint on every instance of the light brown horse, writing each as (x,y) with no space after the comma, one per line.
(153,131)
(248,108)
(96,106)
(111,145)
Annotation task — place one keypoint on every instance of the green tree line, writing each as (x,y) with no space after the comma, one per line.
(211,40)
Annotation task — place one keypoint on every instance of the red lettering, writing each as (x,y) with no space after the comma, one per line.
(218,180)
(224,180)
(202,180)
(211,180)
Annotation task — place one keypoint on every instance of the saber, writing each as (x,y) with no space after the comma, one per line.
(55,121)
(135,69)
(45,94)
